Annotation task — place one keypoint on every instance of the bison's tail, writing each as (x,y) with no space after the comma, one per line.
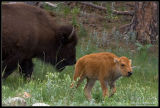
(78,72)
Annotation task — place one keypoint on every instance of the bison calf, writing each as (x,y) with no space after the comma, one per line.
(105,67)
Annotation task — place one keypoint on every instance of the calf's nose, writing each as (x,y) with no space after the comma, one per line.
(129,73)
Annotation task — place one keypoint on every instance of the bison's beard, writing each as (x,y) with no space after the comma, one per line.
(61,65)
(60,68)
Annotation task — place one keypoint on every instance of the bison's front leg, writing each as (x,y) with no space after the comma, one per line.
(113,89)
(88,88)
(10,64)
(26,68)
(104,88)
(8,68)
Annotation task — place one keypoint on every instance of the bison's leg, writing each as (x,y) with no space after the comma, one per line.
(10,64)
(26,68)
(104,88)
(8,70)
(113,88)
(88,88)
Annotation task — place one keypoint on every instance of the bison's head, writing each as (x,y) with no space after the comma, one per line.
(124,65)
(66,51)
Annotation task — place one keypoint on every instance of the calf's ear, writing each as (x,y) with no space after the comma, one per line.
(130,61)
(116,60)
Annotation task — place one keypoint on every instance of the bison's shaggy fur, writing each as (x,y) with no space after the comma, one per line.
(105,67)
(29,32)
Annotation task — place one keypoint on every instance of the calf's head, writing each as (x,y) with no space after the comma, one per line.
(66,52)
(124,65)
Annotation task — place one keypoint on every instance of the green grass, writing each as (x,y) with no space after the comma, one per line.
(53,88)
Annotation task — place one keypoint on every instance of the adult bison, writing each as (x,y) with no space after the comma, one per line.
(30,32)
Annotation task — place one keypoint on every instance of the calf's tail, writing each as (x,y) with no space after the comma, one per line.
(78,72)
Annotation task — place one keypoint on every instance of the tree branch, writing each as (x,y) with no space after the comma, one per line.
(51,4)
(113,11)
(93,5)
(122,12)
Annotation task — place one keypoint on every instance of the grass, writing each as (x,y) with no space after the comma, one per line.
(53,88)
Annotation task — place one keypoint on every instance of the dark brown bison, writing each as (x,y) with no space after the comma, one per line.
(30,32)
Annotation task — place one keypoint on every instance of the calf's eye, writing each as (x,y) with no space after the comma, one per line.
(122,65)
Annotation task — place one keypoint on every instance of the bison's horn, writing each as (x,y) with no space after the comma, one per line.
(71,34)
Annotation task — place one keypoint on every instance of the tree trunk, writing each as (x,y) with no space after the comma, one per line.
(145,22)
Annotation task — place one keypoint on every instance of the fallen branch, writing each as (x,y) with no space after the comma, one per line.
(51,4)
(113,11)
(122,12)
(93,5)
(37,3)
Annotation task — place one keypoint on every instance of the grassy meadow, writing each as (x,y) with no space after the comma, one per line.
(53,88)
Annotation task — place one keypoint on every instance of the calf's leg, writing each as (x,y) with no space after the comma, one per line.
(113,89)
(88,88)
(104,88)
